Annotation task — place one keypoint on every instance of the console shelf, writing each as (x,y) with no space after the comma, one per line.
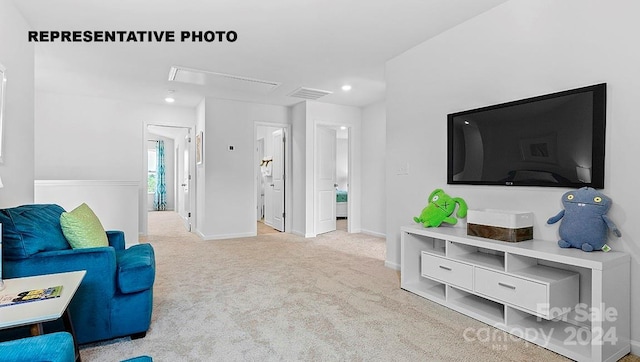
(529,286)
(480,258)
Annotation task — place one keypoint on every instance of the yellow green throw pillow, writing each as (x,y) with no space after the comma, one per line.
(82,228)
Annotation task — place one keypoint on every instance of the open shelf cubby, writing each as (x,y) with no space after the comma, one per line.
(480,308)
(560,299)
(492,259)
(432,288)
(428,244)
(531,268)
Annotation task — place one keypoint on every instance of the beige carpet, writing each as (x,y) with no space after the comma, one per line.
(279,297)
(265,229)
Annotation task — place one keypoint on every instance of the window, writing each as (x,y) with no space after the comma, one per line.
(152,176)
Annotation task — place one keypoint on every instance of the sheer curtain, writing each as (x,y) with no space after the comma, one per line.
(160,197)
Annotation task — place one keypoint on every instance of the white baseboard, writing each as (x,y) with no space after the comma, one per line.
(223,236)
(226,236)
(300,233)
(374,233)
(635,347)
(297,232)
(391,265)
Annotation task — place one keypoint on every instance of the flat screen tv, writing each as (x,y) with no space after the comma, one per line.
(551,140)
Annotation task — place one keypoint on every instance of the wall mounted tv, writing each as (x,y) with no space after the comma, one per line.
(551,140)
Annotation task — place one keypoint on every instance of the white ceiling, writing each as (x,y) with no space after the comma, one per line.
(319,44)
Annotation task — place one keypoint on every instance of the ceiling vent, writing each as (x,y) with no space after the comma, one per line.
(220,80)
(309,93)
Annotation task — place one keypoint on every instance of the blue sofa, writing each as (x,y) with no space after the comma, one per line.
(54,347)
(115,297)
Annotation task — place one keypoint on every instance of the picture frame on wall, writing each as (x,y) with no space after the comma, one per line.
(199,145)
(3,83)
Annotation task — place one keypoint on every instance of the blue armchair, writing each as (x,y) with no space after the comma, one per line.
(115,297)
(54,347)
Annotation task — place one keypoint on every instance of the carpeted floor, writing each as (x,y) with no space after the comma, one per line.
(265,229)
(279,297)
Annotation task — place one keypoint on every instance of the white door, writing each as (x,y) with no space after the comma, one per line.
(277,172)
(325,198)
(259,181)
(185,176)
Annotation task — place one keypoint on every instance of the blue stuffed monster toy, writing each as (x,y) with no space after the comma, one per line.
(584,221)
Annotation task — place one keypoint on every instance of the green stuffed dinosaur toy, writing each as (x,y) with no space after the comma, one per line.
(440,208)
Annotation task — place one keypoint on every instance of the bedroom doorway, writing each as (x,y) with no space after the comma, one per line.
(325,180)
(342,178)
(332,178)
(270,178)
(178,169)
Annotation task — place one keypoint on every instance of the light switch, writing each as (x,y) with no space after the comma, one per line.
(403,168)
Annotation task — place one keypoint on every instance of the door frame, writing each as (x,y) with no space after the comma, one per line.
(350,170)
(188,221)
(143,212)
(316,187)
(260,150)
(288,201)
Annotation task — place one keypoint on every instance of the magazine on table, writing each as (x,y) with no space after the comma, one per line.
(30,296)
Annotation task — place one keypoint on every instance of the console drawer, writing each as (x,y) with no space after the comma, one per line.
(447,271)
(513,290)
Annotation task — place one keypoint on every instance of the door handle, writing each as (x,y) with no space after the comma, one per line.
(184,185)
(272,185)
(335,185)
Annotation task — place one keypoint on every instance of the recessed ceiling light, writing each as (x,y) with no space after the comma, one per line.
(169,98)
(346,87)
(343,128)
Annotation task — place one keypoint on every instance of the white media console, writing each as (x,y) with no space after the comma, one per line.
(569,301)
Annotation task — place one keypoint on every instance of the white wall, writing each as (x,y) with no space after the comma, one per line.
(299,169)
(17,56)
(89,138)
(373,169)
(114,202)
(229,206)
(516,50)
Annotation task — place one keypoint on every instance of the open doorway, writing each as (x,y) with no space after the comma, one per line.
(342,178)
(270,178)
(170,162)
(272,165)
(332,178)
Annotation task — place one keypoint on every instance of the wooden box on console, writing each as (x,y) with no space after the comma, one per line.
(499,233)
(501,225)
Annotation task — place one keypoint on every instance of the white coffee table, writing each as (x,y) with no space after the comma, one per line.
(35,313)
